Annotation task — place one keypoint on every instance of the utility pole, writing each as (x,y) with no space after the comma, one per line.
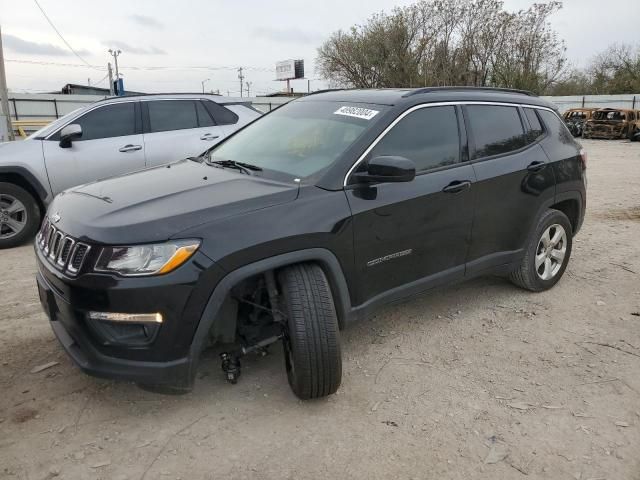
(248,84)
(203,82)
(308,86)
(111,92)
(241,77)
(115,54)
(5,115)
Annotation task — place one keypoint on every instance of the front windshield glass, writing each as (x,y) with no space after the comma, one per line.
(300,138)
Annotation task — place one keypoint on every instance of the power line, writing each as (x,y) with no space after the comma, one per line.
(101,80)
(148,67)
(61,37)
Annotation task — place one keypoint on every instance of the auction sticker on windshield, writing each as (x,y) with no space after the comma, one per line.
(357,112)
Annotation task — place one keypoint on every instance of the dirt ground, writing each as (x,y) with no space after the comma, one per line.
(481,380)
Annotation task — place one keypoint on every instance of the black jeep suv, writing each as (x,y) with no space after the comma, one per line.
(304,221)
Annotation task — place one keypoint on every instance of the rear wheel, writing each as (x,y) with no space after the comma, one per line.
(312,342)
(547,253)
(19,215)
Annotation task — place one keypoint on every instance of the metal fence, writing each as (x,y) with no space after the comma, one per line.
(30,111)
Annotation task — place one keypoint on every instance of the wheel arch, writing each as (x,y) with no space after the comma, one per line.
(570,203)
(24,179)
(325,258)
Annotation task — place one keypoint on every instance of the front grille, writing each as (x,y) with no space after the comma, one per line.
(77,259)
(63,251)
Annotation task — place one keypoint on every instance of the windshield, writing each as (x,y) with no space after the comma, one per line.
(44,131)
(300,138)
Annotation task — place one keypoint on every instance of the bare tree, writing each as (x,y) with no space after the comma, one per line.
(448,42)
(616,70)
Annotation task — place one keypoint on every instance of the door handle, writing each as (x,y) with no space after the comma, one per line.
(457,186)
(536,166)
(209,136)
(130,148)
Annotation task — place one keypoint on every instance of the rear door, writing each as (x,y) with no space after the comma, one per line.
(514,181)
(111,144)
(411,236)
(177,129)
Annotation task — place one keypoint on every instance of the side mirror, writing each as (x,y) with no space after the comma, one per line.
(70,133)
(387,169)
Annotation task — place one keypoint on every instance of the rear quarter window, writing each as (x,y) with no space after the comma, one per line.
(221,115)
(556,128)
(535,129)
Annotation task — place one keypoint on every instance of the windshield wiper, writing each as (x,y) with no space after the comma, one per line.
(243,167)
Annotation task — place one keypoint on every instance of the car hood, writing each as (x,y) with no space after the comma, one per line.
(158,203)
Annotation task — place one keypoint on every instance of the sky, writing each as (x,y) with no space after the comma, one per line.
(170,46)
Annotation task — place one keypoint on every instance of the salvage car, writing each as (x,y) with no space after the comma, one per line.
(575,119)
(611,123)
(106,138)
(304,221)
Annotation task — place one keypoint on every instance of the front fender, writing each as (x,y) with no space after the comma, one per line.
(25,159)
(327,260)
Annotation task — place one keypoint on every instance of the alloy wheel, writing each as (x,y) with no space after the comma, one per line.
(13,216)
(551,251)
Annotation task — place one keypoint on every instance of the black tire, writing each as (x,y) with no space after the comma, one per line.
(29,216)
(633,135)
(312,341)
(527,275)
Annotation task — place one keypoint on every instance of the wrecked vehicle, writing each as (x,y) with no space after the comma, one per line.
(611,123)
(304,221)
(575,119)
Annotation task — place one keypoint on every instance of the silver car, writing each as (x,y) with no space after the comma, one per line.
(107,138)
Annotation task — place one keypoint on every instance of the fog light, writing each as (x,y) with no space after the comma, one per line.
(127,317)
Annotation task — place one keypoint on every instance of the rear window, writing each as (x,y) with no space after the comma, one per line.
(496,129)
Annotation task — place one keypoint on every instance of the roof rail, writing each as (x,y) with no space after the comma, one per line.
(419,91)
(327,90)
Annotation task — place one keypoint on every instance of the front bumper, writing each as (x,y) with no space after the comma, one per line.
(167,360)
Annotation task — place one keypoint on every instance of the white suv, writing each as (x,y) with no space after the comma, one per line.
(107,138)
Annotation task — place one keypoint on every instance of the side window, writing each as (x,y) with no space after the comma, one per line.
(204,119)
(535,127)
(221,115)
(429,137)
(495,129)
(116,120)
(555,127)
(165,115)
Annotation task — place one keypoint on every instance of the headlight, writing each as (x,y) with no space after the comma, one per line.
(140,260)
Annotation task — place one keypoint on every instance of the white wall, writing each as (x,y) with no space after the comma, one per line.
(597,101)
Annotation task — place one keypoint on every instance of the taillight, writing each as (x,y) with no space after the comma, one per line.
(583,158)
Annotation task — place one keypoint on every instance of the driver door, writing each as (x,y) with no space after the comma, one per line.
(111,144)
